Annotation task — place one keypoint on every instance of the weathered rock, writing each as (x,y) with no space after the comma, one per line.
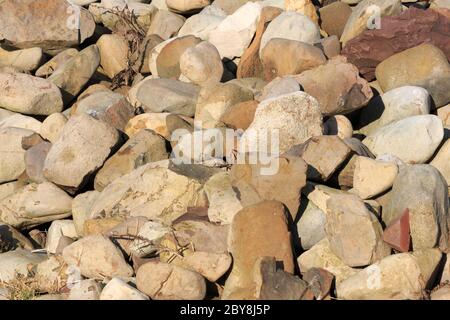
(162,281)
(395,34)
(365,14)
(397,234)
(278,87)
(339,125)
(57,230)
(83,146)
(25,60)
(29,95)
(240,115)
(48,24)
(190,6)
(81,209)
(88,289)
(165,24)
(399,276)
(11,239)
(249,241)
(395,138)
(305,7)
(337,86)
(432,74)
(320,282)
(52,127)
(35,204)
(297,117)
(117,289)
(97,257)
(19,262)
(319,194)
(422,190)
(394,105)
(311,226)
(56,62)
(440,161)
(34,161)
(330,46)
(156,122)
(200,25)
(168,95)
(444,114)
(281,57)
(114,52)
(372,177)
(52,275)
(100,226)
(12,162)
(334,17)
(442,293)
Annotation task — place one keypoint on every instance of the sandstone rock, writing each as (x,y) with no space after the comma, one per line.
(117,289)
(305,7)
(339,125)
(337,86)
(432,74)
(240,115)
(190,6)
(52,275)
(88,289)
(168,95)
(372,177)
(81,209)
(97,258)
(202,64)
(296,116)
(422,190)
(319,194)
(311,226)
(397,234)
(330,46)
(165,24)
(394,105)
(35,204)
(320,282)
(441,294)
(100,226)
(29,95)
(58,229)
(440,161)
(398,276)
(162,281)
(52,127)
(114,53)
(34,161)
(200,25)
(395,138)
(19,261)
(21,60)
(249,241)
(56,62)
(234,34)
(146,146)
(334,17)
(444,114)
(291,26)
(17,120)
(11,239)
(410,28)
(282,57)
(278,87)
(49,24)
(156,122)
(365,14)
(12,162)
(321,256)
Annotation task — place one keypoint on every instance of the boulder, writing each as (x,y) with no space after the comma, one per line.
(114,53)
(117,289)
(19,262)
(24,60)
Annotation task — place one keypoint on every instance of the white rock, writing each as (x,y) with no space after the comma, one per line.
(117,289)
(200,25)
(58,229)
(17,261)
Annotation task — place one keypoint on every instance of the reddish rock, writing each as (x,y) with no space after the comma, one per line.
(398,33)
(397,234)
(319,281)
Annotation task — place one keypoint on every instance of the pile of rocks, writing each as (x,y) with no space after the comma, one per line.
(99,101)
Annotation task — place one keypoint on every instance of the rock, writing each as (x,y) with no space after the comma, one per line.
(291,26)
(311,226)
(441,294)
(227,7)
(52,275)
(410,28)
(372,177)
(234,34)
(97,258)
(354,232)
(19,261)
(214,101)
(398,276)
(35,204)
(319,194)
(72,76)
(49,24)
(446,271)
(240,115)
(156,122)
(12,162)
(100,226)
(184,7)
(162,281)
(334,16)
(142,56)
(81,209)
(25,60)
(278,87)
(202,64)
(114,52)
(394,105)
(337,86)
(432,74)
(29,95)
(250,64)
(145,147)
(320,282)
(422,190)
(444,114)
(249,240)
(274,284)
(200,25)
(305,7)
(330,46)
(397,234)
(365,16)
(281,57)
(339,125)
(165,24)
(253,185)
(57,230)
(395,138)
(52,127)
(22,122)
(323,154)
(56,62)
(153,192)
(11,239)
(88,289)
(440,161)
(168,95)
(117,289)
(296,116)
(82,148)
(34,161)
(321,256)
